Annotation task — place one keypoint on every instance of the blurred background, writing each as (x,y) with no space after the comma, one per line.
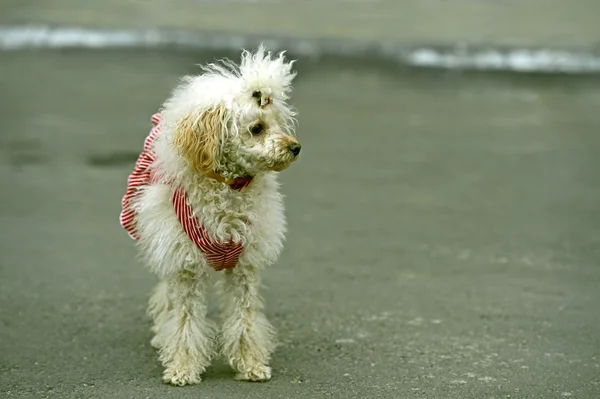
(444,225)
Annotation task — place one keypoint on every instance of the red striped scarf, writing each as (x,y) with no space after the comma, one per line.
(219,255)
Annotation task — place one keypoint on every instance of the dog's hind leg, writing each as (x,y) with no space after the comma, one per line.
(184,334)
(159,307)
(248,339)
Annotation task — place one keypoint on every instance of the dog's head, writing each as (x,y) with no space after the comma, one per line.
(235,120)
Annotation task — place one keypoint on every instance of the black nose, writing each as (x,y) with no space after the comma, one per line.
(295,148)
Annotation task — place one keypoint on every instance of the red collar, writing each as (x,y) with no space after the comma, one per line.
(238,184)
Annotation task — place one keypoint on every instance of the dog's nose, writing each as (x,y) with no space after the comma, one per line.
(295,148)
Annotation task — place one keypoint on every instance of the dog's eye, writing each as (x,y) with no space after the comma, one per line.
(257,129)
(256,94)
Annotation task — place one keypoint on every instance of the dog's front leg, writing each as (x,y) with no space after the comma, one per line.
(185,334)
(247,338)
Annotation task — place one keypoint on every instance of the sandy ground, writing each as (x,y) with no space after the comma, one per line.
(443,234)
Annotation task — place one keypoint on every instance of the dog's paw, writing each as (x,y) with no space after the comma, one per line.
(156,342)
(256,373)
(181,377)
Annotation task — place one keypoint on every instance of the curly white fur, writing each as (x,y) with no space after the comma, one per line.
(207,140)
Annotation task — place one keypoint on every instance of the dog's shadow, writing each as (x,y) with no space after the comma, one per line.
(126,341)
(218,370)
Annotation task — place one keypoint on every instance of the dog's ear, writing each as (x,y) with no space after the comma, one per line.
(198,138)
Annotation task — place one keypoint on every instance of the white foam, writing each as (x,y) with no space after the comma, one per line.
(519,60)
(458,57)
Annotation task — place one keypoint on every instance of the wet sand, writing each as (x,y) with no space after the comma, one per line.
(443,238)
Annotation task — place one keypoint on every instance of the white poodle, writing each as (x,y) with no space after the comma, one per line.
(204,197)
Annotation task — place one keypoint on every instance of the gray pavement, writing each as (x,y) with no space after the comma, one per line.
(515,23)
(444,232)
